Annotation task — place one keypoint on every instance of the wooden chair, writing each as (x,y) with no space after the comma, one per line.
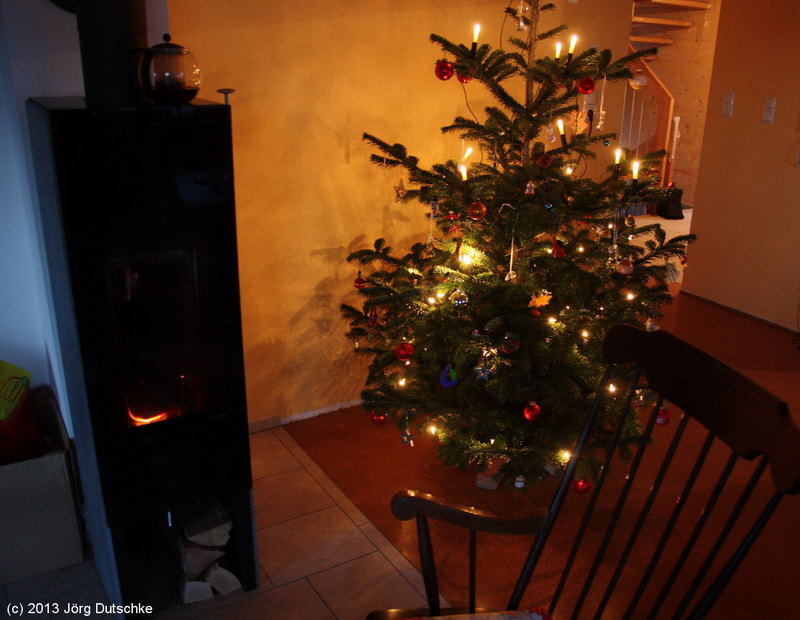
(740,416)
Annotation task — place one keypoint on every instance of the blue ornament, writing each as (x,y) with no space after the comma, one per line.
(606,142)
(448,378)
(549,206)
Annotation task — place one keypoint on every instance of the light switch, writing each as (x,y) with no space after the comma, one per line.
(768,113)
(727,104)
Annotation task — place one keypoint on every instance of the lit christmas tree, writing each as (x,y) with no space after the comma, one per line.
(489,333)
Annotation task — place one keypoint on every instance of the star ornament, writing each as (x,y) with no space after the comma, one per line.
(540,299)
(399,191)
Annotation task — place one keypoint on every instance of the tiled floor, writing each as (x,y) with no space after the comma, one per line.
(320,557)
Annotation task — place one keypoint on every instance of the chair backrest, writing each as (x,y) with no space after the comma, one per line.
(740,417)
(738,414)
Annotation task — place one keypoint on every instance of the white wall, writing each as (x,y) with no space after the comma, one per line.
(39,56)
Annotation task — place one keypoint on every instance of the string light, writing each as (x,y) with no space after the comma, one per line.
(463,170)
(402,382)
(552,320)
(617,156)
(431,300)
(580,248)
(439,295)
(466,258)
(584,334)
(432,429)
(568,169)
(467,153)
(612,388)
(630,296)
(558,49)
(564,456)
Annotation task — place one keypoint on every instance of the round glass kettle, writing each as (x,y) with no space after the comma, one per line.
(167,73)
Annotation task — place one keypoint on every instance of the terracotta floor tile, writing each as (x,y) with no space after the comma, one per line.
(269,456)
(365,584)
(287,495)
(295,601)
(309,544)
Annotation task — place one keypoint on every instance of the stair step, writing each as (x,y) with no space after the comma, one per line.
(660,21)
(685,4)
(653,40)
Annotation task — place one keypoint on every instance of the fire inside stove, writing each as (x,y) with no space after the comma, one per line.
(153,400)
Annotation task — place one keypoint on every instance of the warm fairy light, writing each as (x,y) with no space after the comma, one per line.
(617,156)
(402,382)
(408,362)
(467,153)
(431,300)
(439,295)
(635,169)
(475,33)
(610,226)
(432,429)
(612,388)
(580,248)
(630,237)
(564,456)
(560,125)
(549,250)
(572,43)
(558,50)
(568,170)
(552,320)
(584,334)
(466,258)
(463,170)
(630,296)
(491,441)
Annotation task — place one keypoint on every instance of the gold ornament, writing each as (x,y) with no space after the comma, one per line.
(540,299)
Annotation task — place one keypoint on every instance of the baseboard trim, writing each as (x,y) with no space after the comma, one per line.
(263,424)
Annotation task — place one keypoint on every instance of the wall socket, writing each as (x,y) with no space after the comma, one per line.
(728,100)
(768,112)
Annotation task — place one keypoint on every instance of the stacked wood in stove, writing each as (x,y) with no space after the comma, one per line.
(205,532)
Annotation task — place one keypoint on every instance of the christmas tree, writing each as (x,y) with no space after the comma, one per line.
(489,334)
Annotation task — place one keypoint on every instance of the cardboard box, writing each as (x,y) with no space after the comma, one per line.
(39,526)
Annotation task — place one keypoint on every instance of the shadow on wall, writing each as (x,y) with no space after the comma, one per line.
(277,365)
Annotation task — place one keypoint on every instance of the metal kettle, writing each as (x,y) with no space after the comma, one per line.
(167,73)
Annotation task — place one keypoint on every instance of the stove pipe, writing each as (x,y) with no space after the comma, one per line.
(110,33)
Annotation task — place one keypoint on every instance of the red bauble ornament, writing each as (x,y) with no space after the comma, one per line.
(377,417)
(582,486)
(558,249)
(444,69)
(359,282)
(544,160)
(476,211)
(532,411)
(463,78)
(662,417)
(585,85)
(452,216)
(404,351)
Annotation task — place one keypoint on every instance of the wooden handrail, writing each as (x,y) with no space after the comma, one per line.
(666,109)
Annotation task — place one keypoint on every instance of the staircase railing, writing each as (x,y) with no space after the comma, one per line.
(648,117)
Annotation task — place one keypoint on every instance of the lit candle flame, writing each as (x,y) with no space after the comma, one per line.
(463,169)
(617,156)
(558,49)
(467,153)
(572,43)
(560,124)
(475,33)
(635,169)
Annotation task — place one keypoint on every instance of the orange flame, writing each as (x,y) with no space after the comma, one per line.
(140,421)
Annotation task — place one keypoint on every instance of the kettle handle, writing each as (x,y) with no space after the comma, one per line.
(141,69)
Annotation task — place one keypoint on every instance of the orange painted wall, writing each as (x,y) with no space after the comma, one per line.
(311,77)
(747,255)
